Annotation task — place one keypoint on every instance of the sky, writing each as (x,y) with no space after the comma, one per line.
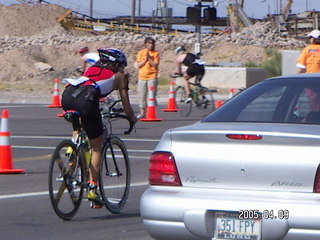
(111,8)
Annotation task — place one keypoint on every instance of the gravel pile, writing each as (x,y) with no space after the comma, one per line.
(35,49)
(261,34)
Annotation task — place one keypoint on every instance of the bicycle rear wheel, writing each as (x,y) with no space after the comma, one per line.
(183,106)
(66,175)
(206,102)
(115,174)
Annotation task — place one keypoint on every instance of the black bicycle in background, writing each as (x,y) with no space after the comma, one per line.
(202,98)
(69,166)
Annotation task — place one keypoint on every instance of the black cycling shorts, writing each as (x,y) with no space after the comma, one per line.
(85,100)
(196,70)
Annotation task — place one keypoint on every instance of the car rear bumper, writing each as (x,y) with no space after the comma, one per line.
(186,213)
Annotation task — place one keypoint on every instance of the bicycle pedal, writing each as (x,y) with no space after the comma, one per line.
(95,205)
(59,179)
(114,174)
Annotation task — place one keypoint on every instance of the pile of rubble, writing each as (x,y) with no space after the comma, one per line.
(261,34)
(23,25)
(35,49)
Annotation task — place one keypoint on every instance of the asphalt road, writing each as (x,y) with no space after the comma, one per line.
(25,208)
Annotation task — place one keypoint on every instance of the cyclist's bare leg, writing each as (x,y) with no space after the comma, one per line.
(96,148)
(186,83)
(74,136)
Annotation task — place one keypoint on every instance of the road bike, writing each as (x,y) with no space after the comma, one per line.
(70,163)
(202,98)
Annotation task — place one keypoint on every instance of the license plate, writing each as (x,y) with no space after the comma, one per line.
(229,226)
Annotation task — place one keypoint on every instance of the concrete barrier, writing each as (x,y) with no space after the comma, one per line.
(289,61)
(231,77)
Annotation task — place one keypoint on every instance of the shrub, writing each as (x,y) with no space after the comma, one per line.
(272,65)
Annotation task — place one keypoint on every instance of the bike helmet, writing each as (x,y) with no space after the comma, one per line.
(84,49)
(112,55)
(179,49)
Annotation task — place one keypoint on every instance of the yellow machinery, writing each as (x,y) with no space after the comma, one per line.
(71,22)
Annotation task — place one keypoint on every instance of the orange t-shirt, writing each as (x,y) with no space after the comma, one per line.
(310,58)
(147,71)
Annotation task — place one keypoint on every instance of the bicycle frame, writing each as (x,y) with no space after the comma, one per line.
(108,140)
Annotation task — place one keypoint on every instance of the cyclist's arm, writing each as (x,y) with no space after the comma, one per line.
(83,64)
(121,84)
(179,62)
(179,68)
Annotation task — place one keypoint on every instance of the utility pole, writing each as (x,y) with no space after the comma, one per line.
(197,45)
(139,8)
(133,11)
(91,5)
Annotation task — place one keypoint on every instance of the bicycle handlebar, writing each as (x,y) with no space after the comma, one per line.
(176,75)
(116,113)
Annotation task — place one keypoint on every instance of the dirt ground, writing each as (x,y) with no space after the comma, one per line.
(18,69)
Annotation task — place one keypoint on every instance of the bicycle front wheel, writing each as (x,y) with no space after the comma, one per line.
(66,174)
(115,174)
(183,106)
(206,102)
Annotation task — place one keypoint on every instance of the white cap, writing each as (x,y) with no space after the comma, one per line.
(314,34)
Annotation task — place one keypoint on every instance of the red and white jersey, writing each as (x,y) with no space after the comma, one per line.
(104,78)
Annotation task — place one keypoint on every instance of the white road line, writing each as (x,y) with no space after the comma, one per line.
(51,148)
(32,147)
(36,194)
(68,137)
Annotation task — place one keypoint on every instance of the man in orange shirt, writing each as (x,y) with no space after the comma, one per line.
(309,59)
(147,62)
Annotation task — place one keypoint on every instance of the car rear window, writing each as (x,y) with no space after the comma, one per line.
(273,101)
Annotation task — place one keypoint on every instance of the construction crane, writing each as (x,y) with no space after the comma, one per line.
(236,15)
(286,9)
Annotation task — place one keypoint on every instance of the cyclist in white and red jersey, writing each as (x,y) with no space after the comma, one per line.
(87,58)
(83,95)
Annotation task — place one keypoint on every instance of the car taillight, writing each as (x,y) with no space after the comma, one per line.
(316,185)
(163,170)
(244,136)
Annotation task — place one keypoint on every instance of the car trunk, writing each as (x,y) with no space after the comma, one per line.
(282,160)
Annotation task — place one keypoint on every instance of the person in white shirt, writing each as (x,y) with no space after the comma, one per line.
(87,58)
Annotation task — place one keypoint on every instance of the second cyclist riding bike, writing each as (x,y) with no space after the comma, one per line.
(201,98)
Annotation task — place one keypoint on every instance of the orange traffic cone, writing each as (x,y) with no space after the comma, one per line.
(151,109)
(56,98)
(172,100)
(218,103)
(6,165)
(231,92)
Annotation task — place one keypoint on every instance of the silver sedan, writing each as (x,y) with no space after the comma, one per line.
(249,170)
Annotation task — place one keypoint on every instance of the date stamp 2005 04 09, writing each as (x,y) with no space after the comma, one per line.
(265,214)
